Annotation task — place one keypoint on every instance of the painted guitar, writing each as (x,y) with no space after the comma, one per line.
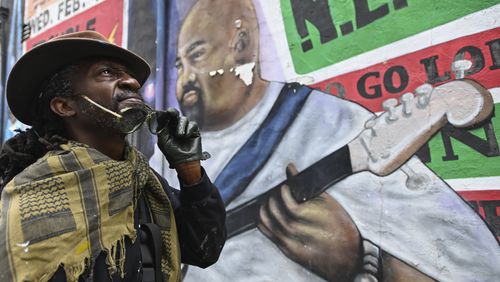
(385,144)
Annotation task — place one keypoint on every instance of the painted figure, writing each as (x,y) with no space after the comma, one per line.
(406,226)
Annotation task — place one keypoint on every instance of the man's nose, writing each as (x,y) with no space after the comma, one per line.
(128,81)
(187,75)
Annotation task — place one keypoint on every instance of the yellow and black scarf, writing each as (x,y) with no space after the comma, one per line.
(74,203)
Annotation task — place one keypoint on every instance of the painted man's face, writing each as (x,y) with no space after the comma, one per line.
(207,89)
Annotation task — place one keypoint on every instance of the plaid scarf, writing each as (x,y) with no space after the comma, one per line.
(74,203)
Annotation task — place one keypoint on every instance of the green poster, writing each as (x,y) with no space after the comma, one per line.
(470,162)
(323,32)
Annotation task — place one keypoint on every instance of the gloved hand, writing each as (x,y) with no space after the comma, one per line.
(179,138)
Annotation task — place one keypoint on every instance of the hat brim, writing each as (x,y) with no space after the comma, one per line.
(42,62)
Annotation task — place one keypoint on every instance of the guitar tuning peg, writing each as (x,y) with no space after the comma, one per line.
(415,181)
(389,105)
(423,93)
(406,100)
(460,67)
(369,124)
(364,143)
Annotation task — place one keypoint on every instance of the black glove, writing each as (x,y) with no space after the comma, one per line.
(179,138)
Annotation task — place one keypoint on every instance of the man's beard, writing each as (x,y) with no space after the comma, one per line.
(195,112)
(99,118)
(108,117)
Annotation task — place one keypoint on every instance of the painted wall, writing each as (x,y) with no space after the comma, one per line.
(366,52)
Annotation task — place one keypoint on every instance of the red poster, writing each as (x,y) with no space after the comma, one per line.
(59,17)
(375,84)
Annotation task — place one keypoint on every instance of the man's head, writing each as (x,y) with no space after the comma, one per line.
(59,70)
(45,90)
(215,39)
(103,81)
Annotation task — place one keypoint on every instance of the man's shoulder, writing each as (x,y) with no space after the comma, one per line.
(38,170)
(57,161)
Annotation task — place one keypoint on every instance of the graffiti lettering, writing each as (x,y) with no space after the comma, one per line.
(476,56)
(317,13)
(324,32)
(430,65)
(495,53)
(431,70)
(340,89)
(491,214)
(389,79)
(365,16)
(377,90)
(389,82)
(400,4)
(488,147)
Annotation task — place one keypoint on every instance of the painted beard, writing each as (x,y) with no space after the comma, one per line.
(195,112)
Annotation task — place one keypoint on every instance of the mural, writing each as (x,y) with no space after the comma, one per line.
(343,140)
(317,186)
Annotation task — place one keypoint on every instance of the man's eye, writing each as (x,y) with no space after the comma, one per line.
(107,72)
(197,54)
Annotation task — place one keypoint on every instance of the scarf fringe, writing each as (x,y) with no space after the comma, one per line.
(73,272)
(116,253)
(115,259)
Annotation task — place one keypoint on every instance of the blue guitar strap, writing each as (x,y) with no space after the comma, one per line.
(248,161)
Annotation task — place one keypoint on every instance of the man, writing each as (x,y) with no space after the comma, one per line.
(423,234)
(77,201)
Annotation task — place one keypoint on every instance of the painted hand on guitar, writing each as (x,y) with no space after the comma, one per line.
(317,234)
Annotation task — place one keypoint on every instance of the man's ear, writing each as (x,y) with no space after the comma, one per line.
(63,106)
(241,45)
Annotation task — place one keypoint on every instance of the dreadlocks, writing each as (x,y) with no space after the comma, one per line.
(47,133)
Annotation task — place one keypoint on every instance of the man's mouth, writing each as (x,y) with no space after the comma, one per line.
(129,100)
(190,98)
(132,100)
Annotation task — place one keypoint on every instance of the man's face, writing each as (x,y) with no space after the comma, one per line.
(204,47)
(109,84)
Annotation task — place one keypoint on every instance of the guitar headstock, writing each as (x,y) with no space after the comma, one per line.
(390,139)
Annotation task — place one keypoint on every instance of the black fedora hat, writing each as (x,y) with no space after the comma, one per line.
(39,64)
